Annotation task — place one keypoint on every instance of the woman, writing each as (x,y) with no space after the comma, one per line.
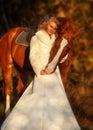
(44,105)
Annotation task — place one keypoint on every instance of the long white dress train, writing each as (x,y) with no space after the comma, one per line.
(43,106)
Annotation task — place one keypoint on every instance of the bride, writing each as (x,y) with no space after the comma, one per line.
(44,104)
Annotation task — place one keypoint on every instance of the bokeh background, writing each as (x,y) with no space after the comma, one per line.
(80,82)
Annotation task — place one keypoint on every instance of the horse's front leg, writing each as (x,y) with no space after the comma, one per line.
(65,69)
(7,77)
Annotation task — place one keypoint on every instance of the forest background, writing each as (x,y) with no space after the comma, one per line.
(80,82)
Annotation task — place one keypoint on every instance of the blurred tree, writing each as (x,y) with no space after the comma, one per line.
(24,13)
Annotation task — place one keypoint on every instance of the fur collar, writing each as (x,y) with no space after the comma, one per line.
(45,38)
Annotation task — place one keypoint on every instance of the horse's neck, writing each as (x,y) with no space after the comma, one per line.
(55,48)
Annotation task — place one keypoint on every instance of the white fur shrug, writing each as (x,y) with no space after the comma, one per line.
(40,47)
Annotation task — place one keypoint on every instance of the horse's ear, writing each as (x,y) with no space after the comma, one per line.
(77,32)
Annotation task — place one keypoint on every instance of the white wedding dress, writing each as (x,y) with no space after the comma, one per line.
(44,104)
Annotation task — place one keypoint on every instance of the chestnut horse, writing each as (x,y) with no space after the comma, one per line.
(12,54)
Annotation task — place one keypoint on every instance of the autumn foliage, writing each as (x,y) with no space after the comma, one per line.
(80,82)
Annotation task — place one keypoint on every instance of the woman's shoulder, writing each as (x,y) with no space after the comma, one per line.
(43,36)
(40,33)
(37,34)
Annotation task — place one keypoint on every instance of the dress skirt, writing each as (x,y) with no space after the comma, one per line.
(43,106)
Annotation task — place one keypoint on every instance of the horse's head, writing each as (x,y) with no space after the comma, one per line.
(67,28)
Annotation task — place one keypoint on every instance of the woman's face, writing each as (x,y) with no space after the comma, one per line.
(51,28)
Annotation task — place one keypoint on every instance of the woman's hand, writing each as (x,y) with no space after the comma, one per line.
(42,72)
(46,71)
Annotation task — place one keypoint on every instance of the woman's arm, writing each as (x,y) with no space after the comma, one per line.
(52,65)
(35,55)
